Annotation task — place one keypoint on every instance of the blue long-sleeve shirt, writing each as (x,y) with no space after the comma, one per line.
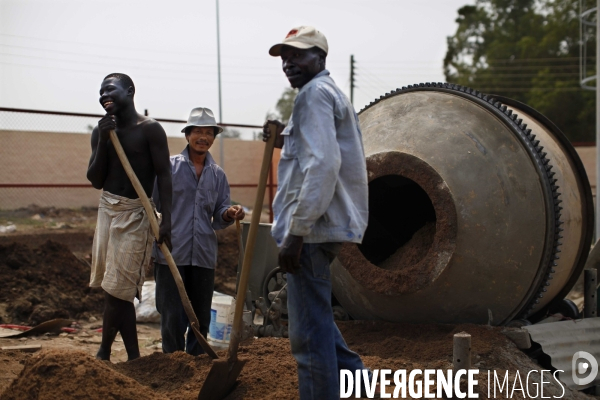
(197,211)
(322,191)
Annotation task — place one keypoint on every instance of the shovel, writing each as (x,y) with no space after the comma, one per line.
(224,373)
(187,306)
(238,230)
(52,326)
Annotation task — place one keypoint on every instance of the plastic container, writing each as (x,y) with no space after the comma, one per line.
(222,311)
(220,320)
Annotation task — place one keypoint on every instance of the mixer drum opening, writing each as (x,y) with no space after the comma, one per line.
(401,223)
(412,227)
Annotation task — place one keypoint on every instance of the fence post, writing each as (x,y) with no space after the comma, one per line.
(461,352)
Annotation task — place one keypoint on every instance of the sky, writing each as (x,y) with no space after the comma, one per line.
(55,53)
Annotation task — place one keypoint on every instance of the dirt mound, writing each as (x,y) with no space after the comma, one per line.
(55,374)
(227,260)
(177,375)
(426,343)
(39,284)
(44,283)
(79,241)
(11,365)
(54,212)
(270,371)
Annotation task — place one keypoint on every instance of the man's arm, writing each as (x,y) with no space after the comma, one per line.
(225,213)
(159,151)
(98,166)
(319,157)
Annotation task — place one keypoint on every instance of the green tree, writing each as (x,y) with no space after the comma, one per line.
(284,106)
(527,50)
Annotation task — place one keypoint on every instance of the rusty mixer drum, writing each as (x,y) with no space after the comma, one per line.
(479,211)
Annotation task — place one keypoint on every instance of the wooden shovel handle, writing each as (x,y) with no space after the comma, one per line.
(187,306)
(236,333)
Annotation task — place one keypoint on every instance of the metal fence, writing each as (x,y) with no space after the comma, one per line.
(21,119)
(44,156)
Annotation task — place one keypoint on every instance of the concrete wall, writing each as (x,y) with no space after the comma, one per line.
(62,158)
(58,158)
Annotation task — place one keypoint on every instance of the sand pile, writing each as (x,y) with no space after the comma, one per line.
(55,374)
(270,372)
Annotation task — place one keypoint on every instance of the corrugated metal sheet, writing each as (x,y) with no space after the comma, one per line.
(562,340)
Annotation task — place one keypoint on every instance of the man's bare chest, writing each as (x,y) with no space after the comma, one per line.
(135,144)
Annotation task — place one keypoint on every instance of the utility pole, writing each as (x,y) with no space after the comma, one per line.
(352,78)
(221,151)
(586,20)
(597,119)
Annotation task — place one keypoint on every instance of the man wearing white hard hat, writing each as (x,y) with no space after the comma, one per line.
(321,202)
(201,205)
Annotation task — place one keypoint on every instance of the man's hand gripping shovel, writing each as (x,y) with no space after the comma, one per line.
(189,311)
(223,374)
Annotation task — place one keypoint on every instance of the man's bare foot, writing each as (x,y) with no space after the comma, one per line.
(103,354)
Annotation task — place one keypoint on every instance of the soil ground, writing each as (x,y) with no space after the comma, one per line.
(44,274)
(65,368)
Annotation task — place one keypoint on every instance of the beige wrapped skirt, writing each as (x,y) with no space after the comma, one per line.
(122,247)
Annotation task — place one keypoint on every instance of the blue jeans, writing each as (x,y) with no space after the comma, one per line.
(199,284)
(317,344)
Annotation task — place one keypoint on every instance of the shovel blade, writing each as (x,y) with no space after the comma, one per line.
(221,379)
(53,326)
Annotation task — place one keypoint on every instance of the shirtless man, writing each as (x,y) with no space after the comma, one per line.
(123,239)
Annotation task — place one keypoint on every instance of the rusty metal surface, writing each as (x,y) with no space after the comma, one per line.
(562,340)
(499,209)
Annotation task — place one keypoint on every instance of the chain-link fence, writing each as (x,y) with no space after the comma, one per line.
(45,155)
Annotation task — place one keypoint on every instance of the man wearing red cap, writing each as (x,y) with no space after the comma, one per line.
(321,202)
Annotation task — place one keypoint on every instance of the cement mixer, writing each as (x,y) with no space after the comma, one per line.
(480,211)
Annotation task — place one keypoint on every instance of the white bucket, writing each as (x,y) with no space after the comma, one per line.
(220,321)
(222,311)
